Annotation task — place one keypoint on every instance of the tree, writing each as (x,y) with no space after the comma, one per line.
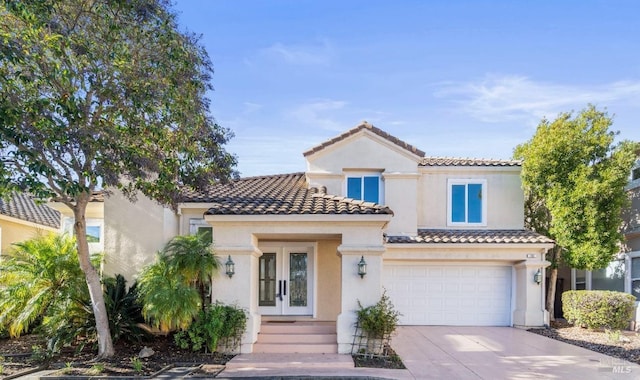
(574,178)
(99,94)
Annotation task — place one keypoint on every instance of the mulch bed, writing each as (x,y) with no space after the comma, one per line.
(73,361)
(619,344)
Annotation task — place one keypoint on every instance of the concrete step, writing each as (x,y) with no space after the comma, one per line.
(302,348)
(287,360)
(298,338)
(298,328)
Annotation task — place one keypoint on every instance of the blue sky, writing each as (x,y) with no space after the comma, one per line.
(453,78)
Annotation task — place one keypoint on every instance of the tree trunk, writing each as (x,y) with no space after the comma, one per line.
(553,279)
(105,345)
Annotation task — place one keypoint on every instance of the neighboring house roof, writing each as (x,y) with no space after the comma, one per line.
(23,206)
(440,236)
(366,126)
(452,161)
(285,194)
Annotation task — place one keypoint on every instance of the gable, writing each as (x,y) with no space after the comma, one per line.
(362,148)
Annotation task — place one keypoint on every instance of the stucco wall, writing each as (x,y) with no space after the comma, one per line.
(328,280)
(133,233)
(361,151)
(505,198)
(16,232)
(369,153)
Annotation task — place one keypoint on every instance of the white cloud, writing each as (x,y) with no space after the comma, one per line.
(319,113)
(508,98)
(321,53)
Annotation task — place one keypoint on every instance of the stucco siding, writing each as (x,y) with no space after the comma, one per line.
(328,280)
(134,232)
(15,232)
(360,152)
(505,198)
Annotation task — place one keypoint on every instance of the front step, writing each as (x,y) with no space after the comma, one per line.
(297,337)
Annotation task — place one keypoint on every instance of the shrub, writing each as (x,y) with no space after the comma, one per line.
(379,320)
(598,308)
(217,323)
(39,278)
(123,310)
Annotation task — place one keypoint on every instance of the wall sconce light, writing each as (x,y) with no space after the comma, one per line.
(362,267)
(230,267)
(537,278)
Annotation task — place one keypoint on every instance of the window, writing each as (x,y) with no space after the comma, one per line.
(609,278)
(201,228)
(93,233)
(635,277)
(580,279)
(366,188)
(635,174)
(467,202)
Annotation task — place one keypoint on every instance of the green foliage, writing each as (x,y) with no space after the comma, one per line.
(216,323)
(124,310)
(598,308)
(111,94)
(174,289)
(136,364)
(168,301)
(574,177)
(39,278)
(380,320)
(192,258)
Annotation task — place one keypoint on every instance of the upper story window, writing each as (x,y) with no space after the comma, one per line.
(366,187)
(467,202)
(201,228)
(635,174)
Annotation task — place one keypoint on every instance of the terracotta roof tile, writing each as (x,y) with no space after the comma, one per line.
(452,161)
(23,206)
(439,236)
(370,127)
(285,194)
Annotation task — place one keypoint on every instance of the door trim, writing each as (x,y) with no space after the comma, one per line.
(282,248)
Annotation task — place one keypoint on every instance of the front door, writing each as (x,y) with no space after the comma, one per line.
(285,279)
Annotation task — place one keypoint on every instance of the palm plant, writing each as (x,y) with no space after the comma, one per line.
(39,276)
(192,257)
(169,302)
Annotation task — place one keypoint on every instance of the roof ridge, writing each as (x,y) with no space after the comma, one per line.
(365,125)
(467,161)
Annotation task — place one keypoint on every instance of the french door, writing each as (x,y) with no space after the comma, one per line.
(285,279)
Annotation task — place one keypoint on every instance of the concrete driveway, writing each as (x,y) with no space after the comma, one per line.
(447,352)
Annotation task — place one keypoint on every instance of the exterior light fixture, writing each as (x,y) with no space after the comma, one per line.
(362,267)
(230,267)
(537,278)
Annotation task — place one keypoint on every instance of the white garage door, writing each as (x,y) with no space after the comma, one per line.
(450,294)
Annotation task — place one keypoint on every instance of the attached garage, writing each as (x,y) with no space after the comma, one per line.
(456,294)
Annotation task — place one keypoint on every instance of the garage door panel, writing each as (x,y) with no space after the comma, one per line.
(450,294)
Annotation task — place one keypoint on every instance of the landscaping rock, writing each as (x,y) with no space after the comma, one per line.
(146,352)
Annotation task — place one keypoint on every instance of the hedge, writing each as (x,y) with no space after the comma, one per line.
(598,308)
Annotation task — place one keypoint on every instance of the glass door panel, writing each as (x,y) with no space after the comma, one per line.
(267,280)
(298,280)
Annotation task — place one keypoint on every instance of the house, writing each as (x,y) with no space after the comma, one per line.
(21,218)
(444,236)
(623,273)
(94,219)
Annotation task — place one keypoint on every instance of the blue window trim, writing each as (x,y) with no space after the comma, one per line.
(467,202)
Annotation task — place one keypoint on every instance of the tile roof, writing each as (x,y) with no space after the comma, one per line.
(285,194)
(365,125)
(22,206)
(439,236)
(452,161)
